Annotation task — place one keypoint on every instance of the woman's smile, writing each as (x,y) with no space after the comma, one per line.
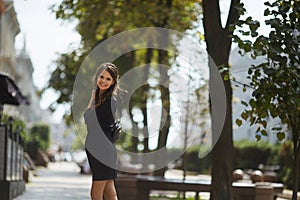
(105,80)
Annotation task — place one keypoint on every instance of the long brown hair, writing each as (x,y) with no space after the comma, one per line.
(96,98)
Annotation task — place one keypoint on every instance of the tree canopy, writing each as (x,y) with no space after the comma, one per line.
(99,20)
(275,81)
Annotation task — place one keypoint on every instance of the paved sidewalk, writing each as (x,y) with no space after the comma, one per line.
(59,181)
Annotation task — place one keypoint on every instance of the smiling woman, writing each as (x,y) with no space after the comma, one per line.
(99,119)
(104,81)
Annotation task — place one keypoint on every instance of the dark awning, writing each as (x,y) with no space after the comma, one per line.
(10,93)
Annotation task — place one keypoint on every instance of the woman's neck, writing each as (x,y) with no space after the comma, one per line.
(101,92)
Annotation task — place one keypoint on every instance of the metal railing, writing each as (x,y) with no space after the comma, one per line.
(11,161)
(11,143)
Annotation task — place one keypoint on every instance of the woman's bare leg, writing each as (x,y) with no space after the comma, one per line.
(97,190)
(110,192)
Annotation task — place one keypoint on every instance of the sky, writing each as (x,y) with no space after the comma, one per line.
(45,36)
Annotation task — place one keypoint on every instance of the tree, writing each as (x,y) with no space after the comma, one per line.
(276,81)
(99,20)
(95,26)
(40,133)
(218,47)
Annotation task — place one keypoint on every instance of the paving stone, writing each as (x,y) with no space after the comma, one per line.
(59,181)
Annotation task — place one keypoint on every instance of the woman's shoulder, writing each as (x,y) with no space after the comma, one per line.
(88,112)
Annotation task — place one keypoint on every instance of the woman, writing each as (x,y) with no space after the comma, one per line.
(99,117)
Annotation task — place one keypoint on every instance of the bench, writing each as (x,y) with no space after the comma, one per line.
(146,184)
(139,187)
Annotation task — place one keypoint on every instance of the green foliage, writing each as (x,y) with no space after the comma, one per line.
(276,81)
(77,144)
(63,77)
(17,126)
(99,20)
(196,164)
(249,154)
(200,165)
(125,141)
(40,134)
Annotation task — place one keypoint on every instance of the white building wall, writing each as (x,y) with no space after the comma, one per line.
(19,68)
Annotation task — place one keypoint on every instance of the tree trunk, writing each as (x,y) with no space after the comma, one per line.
(222,156)
(135,132)
(165,113)
(145,92)
(296,140)
(127,62)
(218,47)
(144,99)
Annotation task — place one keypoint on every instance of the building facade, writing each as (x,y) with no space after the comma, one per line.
(18,66)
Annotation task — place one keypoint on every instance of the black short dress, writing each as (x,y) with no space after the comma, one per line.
(101,151)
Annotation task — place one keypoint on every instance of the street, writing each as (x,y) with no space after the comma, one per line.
(62,180)
(59,181)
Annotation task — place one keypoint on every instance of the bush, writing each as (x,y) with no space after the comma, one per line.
(194,163)
(17,126)
(40,134)
(249,154)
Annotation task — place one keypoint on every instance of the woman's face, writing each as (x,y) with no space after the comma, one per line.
(105,80)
